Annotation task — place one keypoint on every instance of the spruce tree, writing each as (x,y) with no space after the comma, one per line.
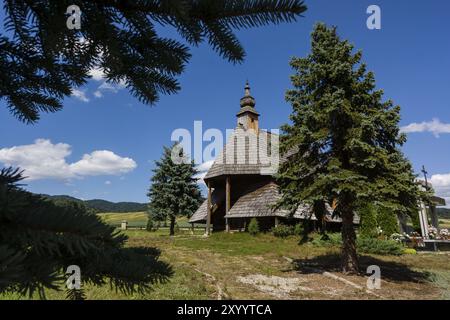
(174,191)
(346,139)
(40,239)
(42,59)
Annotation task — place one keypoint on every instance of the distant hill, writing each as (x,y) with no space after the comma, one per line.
(62,198)
(107,206)
(443,213)
(99,205)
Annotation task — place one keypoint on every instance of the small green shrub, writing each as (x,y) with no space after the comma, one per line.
(409,251)
(377,221)
(150,225)
(327,240)
(299,229)
(364,245)
(283,231)
(415,221)
(253,227)
(335,238)
(154,220)
(368,226)
(377,246)
(387,221)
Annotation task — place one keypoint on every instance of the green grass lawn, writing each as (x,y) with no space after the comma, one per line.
(205,268)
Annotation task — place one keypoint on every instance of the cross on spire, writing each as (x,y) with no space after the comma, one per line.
(247,89)
(425,172)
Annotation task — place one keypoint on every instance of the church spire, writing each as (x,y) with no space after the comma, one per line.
(247,89)
(247,100)
(247,116)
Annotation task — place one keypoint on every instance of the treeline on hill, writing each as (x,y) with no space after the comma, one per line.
(100,206)
(443,213)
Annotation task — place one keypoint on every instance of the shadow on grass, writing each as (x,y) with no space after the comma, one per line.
(158,271)
(390,270)
(138,269)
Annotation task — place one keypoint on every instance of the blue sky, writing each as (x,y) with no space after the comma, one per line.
(410,56)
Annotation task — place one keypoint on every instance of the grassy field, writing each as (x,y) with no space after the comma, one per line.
(136,219)
(444,223)
(240,266)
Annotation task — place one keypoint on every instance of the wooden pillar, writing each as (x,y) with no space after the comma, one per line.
(227,202)
(277,222)
(208,217)
(192,228)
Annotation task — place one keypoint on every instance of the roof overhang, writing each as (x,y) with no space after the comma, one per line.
(438,201)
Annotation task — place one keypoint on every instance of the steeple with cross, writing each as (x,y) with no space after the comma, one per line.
(425,172)
(247,117)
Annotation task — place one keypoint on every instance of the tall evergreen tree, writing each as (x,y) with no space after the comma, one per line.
(41,59)
(346,137)
(40,239)
(174,191)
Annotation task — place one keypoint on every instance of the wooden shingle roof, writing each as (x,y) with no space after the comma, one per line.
(251,154)
(217,197)
(247,109)
(258,203)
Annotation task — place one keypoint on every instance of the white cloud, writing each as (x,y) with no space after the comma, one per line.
(441,184)
(106,86)
(40,160)
(113,87)
(97,74)
(203,170)
(440,180)
(436,127)
(80,95)
(205,166)
(107,182)
(98,94)
(102,162)
(45,160)
(109,87)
